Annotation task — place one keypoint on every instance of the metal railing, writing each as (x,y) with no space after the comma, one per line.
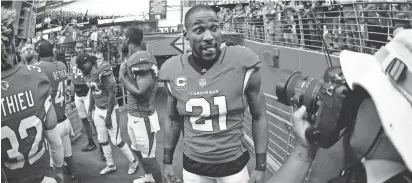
(360,30)
(280,132)
(361,27)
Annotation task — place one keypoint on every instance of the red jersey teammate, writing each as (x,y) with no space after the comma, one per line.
(211,89)
(80,96)
(27,116)
(139,75)
(56,72)
(101,81)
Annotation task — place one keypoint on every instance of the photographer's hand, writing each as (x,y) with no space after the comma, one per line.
(300,126)
(297,165)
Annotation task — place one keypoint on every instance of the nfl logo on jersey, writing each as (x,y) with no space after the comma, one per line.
(202,82)
(181,82)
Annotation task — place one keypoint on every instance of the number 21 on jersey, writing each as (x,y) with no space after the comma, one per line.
(207,126)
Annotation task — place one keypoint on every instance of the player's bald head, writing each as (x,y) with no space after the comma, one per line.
(195,9)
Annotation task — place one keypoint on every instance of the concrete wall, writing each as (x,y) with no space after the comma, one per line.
(328,162)
(23,26)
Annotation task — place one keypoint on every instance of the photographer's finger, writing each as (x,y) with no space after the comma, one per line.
(298,114)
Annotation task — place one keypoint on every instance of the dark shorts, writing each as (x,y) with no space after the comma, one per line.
(81,90)
(216,170)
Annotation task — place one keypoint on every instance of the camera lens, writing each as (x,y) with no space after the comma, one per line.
(294,89)
(283,90)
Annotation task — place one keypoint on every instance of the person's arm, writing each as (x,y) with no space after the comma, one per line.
(73,89)
(65,29)
(369,7)
(91,101)
(144,81)
(259,122)
(172,128)
(109,84)
(296,167)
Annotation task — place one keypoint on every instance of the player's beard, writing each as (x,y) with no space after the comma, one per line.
(28,57)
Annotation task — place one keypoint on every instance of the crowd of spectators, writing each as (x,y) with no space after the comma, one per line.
(62,18)
(222,2)
(353,25)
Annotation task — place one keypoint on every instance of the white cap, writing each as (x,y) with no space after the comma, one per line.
(387,77)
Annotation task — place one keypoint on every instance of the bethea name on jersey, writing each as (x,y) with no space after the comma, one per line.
(17,102)
(181,84)
(59,74)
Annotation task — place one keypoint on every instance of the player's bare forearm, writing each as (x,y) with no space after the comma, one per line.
(172,129)
(257,110)
(109,84)
(260,129)
(259,123)
(91,102)
(142,83)
(133,90)
(110,103)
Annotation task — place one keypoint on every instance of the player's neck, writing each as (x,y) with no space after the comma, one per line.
(31,62)
(46,59)
(133,49)
(203,64)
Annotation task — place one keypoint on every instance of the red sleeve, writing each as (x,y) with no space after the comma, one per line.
(248,58)
(43,91)
(169,67)
(105,71)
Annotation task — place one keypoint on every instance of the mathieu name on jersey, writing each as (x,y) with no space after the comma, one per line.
(95,82)
(25,100)
(212,104)
(57,74)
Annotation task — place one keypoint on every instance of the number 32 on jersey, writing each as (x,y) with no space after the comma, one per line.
(207,125)
(22,133)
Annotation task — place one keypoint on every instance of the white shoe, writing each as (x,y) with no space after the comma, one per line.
(133,167)
(144,179)
(108,169)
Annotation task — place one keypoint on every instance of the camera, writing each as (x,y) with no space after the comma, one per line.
(327,102)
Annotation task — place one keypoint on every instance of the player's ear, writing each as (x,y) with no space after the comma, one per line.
(185,34)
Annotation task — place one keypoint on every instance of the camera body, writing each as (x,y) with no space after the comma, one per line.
(326,102)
